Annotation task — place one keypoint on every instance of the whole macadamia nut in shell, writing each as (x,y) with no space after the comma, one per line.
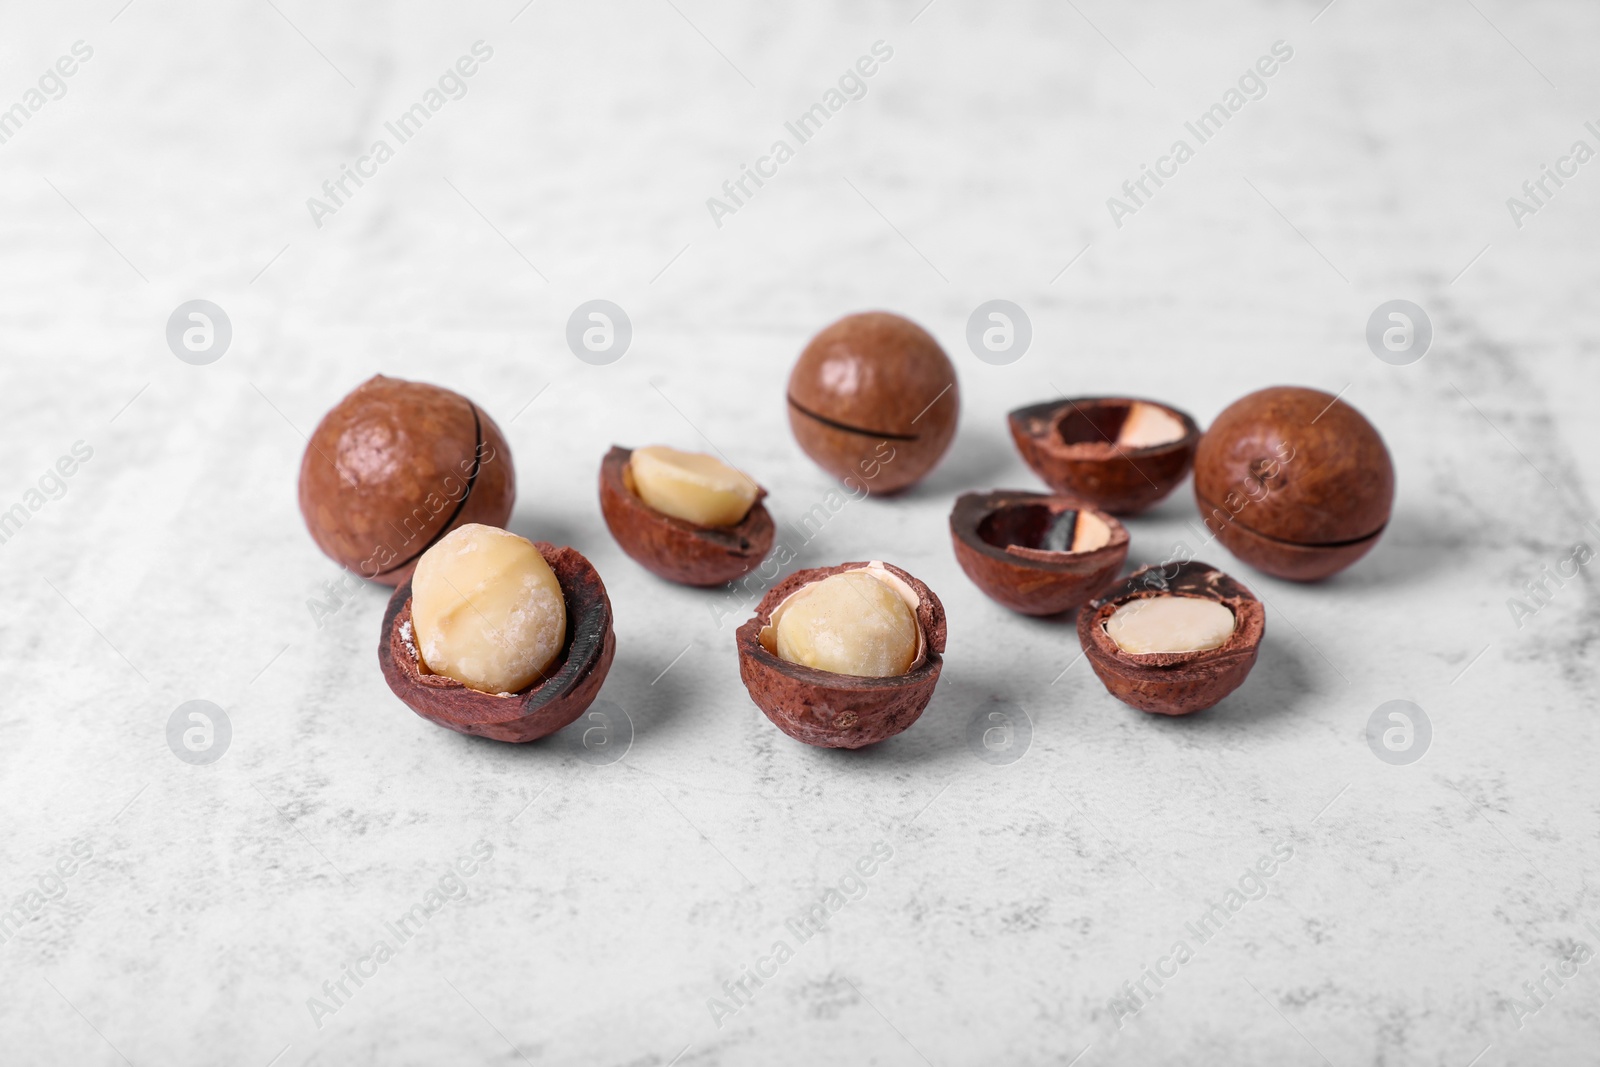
(394,467)
(873,400)
(1295,482)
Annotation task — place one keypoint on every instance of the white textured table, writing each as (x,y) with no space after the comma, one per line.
(210,911)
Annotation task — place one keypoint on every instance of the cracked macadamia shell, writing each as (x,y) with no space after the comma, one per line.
(840,710)
(1120,454)
(569,685)
(1295,482)
(1014,546)
(1173,683)
(873,400)
(672,548)
(395,466)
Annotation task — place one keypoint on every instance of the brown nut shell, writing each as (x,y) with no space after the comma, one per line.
(395,466)
(874,399)
(1071,445)
(1000,540)
(672,548)
(840,710)
(1295,482)
(569,686)
(1174,683)
(1283,559)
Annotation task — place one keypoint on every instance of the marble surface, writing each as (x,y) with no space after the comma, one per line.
(1010,907)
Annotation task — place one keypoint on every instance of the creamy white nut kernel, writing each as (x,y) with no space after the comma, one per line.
(1170,624)
(849,623)
(486,609)
(691,486)
(1090,533)
(1148,425)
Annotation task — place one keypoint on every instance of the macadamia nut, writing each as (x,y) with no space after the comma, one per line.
(691,486)
(874,400)
(487,610)
(849,623)
(1170,624)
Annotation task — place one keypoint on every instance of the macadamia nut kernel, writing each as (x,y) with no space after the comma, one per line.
(1089,532)
(1166,624)
(691,486)
(1149,425)
(486,610)
(849,623)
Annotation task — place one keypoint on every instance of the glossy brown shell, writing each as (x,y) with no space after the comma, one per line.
(395,466)
(1070,444)
(1306,516)
(1182,682)
(570,684)
(839,710)
(1027,579)
(873,400)
(672,548)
